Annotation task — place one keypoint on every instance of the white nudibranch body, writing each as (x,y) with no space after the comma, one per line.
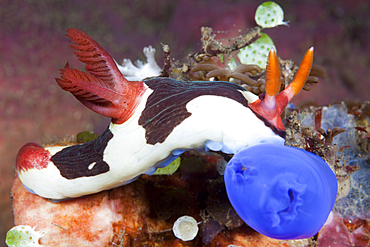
(216,123)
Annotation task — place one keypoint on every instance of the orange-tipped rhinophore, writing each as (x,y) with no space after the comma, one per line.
(273,104)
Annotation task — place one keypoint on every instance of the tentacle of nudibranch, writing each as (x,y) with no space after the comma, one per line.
(273,103)
(273,83)
(104,90)
(273,74)
(298,82)
(153,122)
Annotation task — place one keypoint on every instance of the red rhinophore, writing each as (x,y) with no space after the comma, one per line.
(32,155)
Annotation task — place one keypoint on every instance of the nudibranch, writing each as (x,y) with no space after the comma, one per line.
(153,122)
(280,191)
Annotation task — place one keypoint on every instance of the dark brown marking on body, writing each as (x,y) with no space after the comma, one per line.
(84,160)
(166,106)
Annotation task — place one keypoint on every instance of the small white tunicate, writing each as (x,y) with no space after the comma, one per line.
(269,14)
(185,228)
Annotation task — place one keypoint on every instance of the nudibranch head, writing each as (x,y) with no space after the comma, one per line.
(273,103)
(280,191)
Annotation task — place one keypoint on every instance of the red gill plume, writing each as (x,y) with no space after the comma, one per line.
(103,89)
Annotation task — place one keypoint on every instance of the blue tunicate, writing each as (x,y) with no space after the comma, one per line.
(280,191)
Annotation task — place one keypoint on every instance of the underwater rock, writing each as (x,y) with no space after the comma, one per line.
(336,233)
(210,230)
(90,221)
(173,202)
(224,214)
(349,160)
(357,202)
(124,216)
(334,116)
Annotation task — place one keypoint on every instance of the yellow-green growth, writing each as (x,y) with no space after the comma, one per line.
(23,236)
(86,136)
(170,169)
(257,52)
